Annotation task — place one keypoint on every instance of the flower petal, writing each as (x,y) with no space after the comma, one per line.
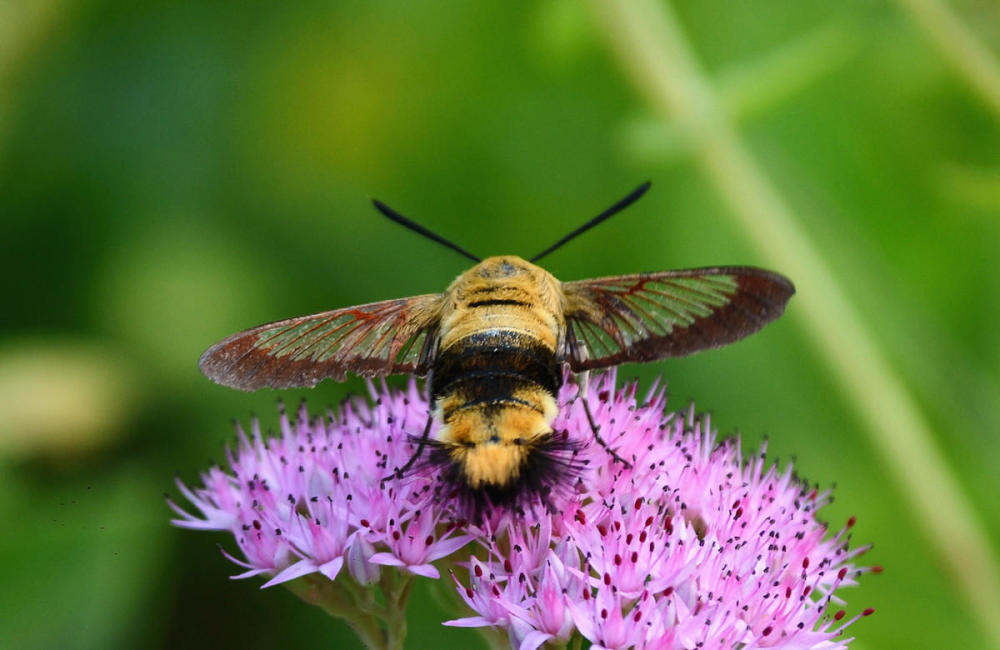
(533,640)
(425,570)
(448,546)
(386,559)
(297,570)
(332,568)
(470,621)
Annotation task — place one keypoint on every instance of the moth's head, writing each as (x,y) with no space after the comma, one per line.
(504,267)
(506,274)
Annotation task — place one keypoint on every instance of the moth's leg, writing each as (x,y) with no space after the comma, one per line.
(582,380)
(420,448)
(597,436)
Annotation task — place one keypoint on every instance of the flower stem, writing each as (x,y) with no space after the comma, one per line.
(364,599)
(652,46)
(328,596)
(495,638)
(396,585)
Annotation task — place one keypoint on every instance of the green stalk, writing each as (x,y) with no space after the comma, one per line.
(652,46)
(396,585)
(25,30)
(970,59)
(327,595)
(495,638)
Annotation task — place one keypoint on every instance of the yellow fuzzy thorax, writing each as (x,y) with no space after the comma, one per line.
(506,277)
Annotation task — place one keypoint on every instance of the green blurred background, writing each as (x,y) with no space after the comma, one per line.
(172,172)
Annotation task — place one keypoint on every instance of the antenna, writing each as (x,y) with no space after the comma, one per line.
(416,227)
(633,196)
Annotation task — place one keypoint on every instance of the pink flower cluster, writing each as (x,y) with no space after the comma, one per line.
(686,547)
(312,499)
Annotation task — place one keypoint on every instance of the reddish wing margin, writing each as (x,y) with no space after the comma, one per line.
(652,316)
(380,338)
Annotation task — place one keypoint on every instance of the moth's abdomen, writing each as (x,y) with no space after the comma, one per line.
(493,369)
(495,394)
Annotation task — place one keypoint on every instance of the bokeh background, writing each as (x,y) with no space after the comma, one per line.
(172,172)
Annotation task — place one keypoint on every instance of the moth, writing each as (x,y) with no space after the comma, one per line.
(494,345)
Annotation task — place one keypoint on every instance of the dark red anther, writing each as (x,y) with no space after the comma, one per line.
(868,611)
(479,571)
(839,615)
(602,529)
(850,522)
(842,573)
(767,630)
(582,518)
(805,563)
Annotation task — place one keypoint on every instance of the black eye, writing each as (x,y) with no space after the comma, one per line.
(518,441)
(495,438)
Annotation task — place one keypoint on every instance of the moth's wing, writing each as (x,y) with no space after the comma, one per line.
(380,338)
(652,316)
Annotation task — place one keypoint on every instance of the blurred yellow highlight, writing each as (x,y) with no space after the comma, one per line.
(62,398)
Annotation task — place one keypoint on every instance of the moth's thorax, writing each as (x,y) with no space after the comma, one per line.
(504,293)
